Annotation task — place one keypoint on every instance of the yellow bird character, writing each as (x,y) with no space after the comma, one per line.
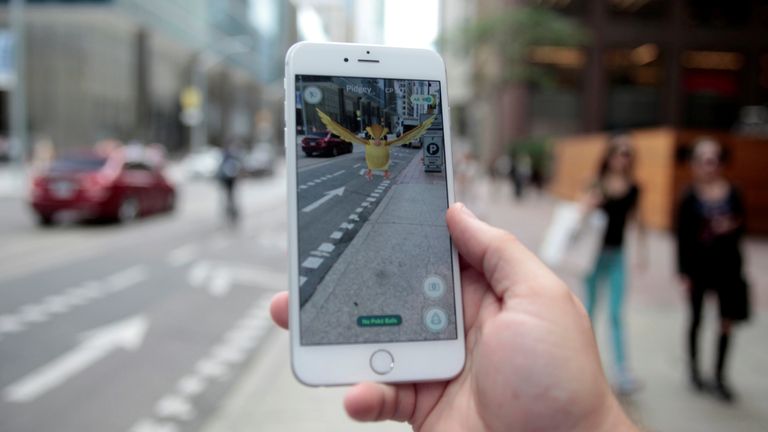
(376,148)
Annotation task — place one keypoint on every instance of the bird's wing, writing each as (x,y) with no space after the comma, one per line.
(413,134)
(341,131)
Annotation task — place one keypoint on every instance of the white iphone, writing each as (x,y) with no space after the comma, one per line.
(374,278)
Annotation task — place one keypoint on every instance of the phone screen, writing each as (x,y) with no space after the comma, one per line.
(374,251)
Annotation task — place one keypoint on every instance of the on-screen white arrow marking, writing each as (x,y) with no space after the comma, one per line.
(96,344)
(328,195)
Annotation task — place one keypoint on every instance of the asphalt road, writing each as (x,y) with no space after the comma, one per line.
(334,201)
(135,328)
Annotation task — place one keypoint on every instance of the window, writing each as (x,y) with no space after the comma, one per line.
(634,86)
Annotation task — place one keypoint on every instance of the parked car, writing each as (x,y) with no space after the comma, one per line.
(260,160)
(118,186)
(324,143)
(202,163)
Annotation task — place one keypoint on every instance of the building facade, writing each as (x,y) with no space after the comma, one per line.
(116,68)
(645,63)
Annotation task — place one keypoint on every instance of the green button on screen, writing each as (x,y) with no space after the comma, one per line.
(379,320)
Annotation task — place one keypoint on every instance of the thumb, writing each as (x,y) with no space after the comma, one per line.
(507,264)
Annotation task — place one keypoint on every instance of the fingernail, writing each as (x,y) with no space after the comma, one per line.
(466,210)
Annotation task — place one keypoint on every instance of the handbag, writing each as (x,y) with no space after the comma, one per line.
(573,239)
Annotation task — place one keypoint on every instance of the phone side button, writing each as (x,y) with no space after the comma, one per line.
(382,362)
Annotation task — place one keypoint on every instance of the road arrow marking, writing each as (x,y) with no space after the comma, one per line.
(328,195)
(198,273)
(221,282)
(96,344)
(183,255)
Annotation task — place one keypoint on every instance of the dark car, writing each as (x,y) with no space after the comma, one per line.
(100,187)
(324,143)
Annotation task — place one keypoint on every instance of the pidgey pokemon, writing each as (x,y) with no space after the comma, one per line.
(376,148)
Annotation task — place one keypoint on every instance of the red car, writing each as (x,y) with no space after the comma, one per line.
(324,143)
(94,186)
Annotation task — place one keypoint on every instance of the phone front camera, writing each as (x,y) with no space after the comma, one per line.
(346,59)
(367,52)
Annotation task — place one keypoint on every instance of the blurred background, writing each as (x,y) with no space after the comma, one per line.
(142,190)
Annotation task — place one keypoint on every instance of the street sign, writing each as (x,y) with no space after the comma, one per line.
(190,98)
(433,151)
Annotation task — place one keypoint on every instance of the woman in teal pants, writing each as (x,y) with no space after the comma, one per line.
(616,193)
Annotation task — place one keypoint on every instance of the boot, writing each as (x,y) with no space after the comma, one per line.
(722,390)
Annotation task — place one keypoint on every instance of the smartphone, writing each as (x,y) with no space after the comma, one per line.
(374,278)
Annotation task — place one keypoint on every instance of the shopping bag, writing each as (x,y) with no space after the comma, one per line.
(573,239)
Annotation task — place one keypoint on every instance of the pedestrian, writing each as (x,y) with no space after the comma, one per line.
(532,362)
(710,224)
(616,193)
(228,173)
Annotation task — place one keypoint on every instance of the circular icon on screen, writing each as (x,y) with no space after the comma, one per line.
(433,149)
(434,287)
(313,95)
(435,319)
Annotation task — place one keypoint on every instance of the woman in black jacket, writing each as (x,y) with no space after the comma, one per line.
(710,224)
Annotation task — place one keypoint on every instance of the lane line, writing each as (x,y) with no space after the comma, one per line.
(326,247)
(128,277)
(221,282)
(177,407)
(191,385)
(11,324)
(312,262)
(183,255)
(198,273)
(80,295)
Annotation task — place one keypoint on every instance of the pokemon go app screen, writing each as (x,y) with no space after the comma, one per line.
(374,252)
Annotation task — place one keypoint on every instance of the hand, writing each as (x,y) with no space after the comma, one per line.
(723,225)
(590,200)
(532,362)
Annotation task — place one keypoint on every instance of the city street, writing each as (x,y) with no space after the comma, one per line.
(335,200)
(135,328)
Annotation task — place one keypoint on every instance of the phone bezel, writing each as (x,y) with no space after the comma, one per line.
(317,365)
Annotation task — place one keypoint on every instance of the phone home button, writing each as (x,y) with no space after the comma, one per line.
(382,362)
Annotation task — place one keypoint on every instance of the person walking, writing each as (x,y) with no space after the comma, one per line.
(228,173)
(616,193)
(710,224)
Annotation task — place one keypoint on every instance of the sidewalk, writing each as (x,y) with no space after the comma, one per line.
(268,398)
(405,241)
